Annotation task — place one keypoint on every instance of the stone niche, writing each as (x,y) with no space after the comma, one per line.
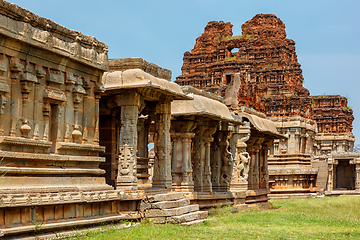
(50,85)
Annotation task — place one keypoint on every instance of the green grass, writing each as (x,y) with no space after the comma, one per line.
(318,218)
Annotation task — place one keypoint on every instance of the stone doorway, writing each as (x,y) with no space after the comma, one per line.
(345,175)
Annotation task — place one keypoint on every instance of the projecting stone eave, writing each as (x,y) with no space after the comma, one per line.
(203,106)
(138,79)
(263,125)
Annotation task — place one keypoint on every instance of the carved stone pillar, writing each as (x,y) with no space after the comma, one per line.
(240,167)
(201,157)
(254,147)
(264,182)
(182,178)
(216,162)
(356,162)
(142,153)
(357,177)
(331,173)
(162,145)
(222,162)
(127,174)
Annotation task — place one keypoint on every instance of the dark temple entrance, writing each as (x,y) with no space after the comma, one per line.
(345,175)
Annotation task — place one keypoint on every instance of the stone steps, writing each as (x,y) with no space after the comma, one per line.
(171,208)
(172,211)
(193,223)
(189,217)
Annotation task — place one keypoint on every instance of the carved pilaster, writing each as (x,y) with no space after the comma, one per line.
(27,80)
(99,88)
(77,93)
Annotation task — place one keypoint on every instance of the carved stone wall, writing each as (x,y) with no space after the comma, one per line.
(332,114)
(50,85)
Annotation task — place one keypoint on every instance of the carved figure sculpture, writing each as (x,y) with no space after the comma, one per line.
(243,165)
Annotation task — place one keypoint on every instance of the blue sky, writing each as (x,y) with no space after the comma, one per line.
(327,33)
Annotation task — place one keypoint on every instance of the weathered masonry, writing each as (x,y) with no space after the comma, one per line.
(259,69)
(76,128)
(50,85)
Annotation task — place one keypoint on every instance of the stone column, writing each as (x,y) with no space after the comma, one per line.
(142,153)
(162,145)
(216,162)
(182,179)
(356,162)
(240,166)
(331,173)
(201,157)
(357,177)
(127,174)
(265,169)
(226,157)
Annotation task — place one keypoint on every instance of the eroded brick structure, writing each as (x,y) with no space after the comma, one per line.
(259,69)
(271,77)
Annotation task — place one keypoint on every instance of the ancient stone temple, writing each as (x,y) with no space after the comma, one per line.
(75,135)
(76,128)
(259,69)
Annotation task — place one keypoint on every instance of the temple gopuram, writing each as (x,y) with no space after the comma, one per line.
(259,69)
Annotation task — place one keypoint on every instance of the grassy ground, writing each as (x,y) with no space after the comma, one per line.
(313,218)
